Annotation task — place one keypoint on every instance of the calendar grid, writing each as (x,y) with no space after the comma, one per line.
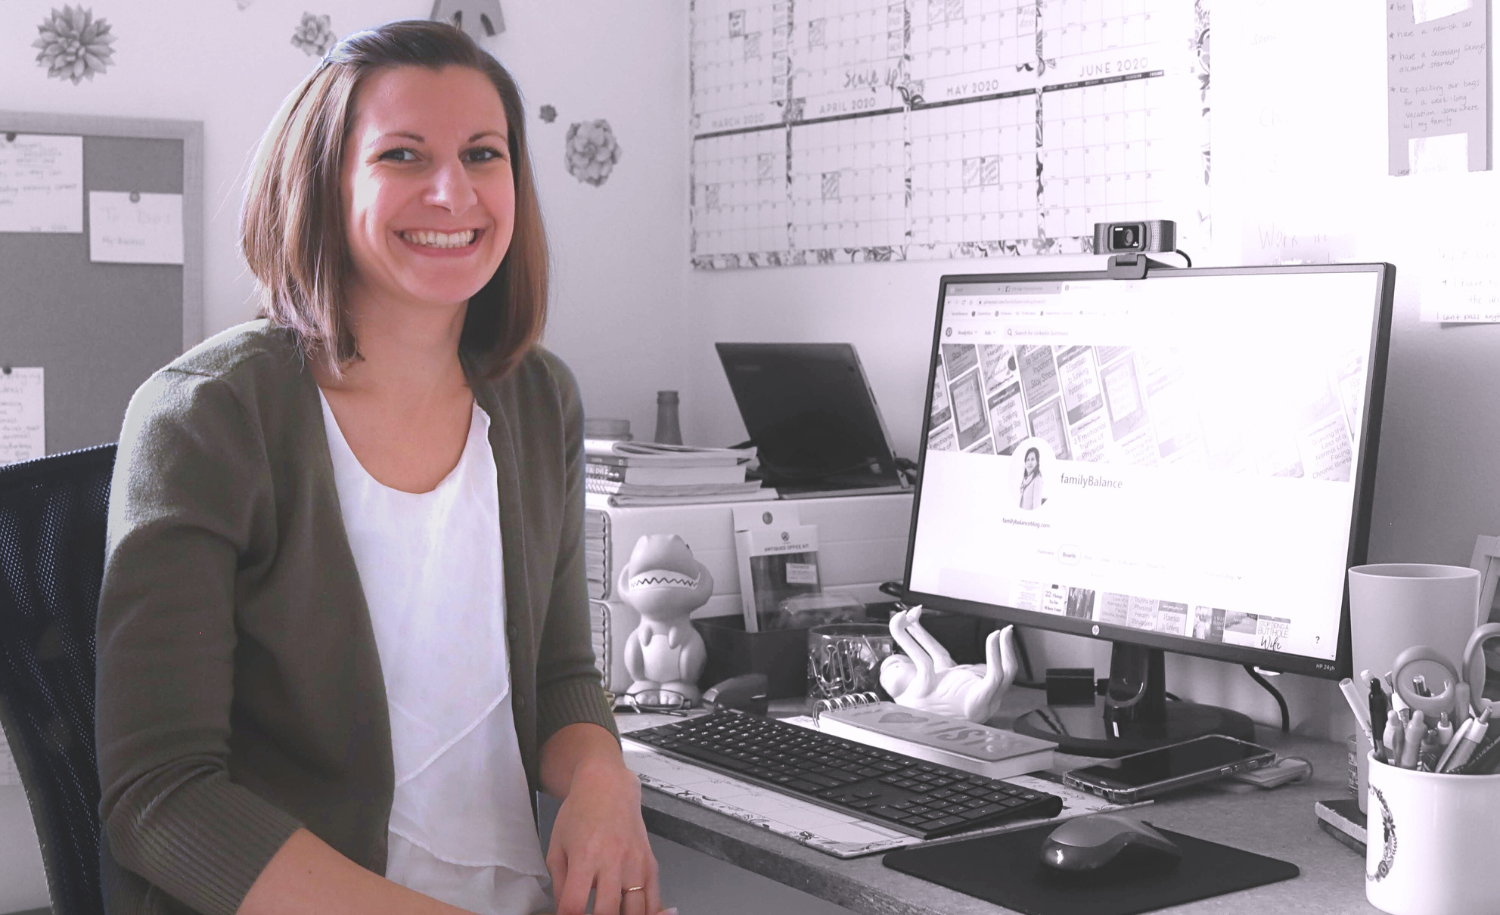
(933,128)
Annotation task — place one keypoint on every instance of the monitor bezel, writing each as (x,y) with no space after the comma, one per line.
(1364,478)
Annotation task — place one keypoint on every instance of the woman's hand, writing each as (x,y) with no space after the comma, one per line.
(598,840)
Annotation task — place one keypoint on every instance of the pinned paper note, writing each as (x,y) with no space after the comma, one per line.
(41,183)
(1434,155)
(1428,10)
(135,228)
(23,428)
(1459,269)
(1437,75)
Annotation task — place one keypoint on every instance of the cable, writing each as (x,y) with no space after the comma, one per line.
(1184,256)
(1280,700)
(1029,681)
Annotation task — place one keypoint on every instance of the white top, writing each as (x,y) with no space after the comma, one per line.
(461,828)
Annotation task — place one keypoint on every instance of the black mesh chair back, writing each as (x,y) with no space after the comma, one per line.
(52,518)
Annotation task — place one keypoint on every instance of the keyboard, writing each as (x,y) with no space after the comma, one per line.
(909,795)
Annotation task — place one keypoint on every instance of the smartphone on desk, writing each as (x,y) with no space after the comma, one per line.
(1141,775)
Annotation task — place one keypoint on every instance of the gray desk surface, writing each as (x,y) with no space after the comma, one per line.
(1279,822)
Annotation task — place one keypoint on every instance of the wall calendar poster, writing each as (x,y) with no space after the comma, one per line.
(847,131)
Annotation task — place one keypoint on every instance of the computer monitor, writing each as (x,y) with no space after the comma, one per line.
(1183,462)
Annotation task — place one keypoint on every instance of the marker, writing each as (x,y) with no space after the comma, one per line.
(1378,709)
(1470,741)
(1392,738)
(1357,705)
(1444,730)
(1427,757)
(1411,741)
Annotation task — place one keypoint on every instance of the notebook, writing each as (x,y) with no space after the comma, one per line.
(810,413)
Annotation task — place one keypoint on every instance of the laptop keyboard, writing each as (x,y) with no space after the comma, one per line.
(909,795)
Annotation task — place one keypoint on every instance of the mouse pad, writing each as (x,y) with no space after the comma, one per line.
(1003,869)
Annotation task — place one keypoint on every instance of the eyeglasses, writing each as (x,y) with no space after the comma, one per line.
(659,701)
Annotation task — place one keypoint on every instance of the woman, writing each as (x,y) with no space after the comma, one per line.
(343,629)
(1031,480)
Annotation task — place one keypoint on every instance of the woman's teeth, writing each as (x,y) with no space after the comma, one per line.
(441,239)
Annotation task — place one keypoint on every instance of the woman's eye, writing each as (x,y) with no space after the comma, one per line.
(484,154)
(401,154)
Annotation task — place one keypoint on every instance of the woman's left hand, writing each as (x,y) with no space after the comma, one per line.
(599,840)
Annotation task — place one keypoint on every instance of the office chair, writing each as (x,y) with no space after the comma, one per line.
(52,519)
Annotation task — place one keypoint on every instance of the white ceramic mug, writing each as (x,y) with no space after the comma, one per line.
(1393,606)
(1432,842)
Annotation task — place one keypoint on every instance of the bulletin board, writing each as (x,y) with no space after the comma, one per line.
(98,330)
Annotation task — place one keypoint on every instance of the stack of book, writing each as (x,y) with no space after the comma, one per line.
(645,473)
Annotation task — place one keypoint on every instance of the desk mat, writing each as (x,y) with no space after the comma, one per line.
(1003,869)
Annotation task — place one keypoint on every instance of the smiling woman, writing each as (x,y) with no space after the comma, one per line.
(323,684)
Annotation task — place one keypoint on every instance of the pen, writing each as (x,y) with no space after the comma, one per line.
(1378,709)
(1411,741)
(1444,730)
(1470,741)
(1458,736)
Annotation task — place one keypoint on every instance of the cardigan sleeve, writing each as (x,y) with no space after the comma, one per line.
(190,501)
(569,687)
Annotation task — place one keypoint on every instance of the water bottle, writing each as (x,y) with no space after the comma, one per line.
(668,432)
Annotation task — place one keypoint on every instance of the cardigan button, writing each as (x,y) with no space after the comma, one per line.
(520,702)
(513,631)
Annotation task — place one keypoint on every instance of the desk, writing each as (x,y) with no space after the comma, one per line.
(1279,823)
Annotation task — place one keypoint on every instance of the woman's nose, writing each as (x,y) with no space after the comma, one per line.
(451,188)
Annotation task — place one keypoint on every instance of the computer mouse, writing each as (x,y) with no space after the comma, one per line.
(746,692)
(1107,846)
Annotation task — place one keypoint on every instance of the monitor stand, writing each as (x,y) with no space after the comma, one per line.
(1133,715)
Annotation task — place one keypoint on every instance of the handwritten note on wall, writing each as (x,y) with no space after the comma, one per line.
(1438,76)
(41,183)
(135,228)
(1460,269)
(23,418)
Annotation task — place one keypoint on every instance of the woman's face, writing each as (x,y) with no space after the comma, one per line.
(1031,462)
(428,192)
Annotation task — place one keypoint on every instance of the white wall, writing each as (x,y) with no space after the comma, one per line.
(619,248)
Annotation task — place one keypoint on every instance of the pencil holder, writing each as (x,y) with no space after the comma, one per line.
(1431,842)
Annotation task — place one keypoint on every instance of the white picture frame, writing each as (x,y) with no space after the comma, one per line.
(1486,561)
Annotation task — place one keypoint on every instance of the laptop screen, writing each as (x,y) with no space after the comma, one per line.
(810,413)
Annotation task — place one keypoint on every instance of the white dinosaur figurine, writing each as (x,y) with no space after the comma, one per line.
(926,677)
(664,583)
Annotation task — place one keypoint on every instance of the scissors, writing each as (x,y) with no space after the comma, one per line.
(1420,661)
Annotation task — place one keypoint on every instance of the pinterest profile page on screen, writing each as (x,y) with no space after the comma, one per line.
(1173,455)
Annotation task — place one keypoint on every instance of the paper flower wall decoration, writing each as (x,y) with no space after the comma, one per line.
(592,151)
(74,44)
(480,18)
(314,36)
(548,113)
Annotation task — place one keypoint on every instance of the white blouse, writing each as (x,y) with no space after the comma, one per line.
(461,828)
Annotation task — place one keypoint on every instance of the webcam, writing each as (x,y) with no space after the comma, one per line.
(1151,235)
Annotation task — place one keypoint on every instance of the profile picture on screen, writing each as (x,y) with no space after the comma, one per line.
(1029,465)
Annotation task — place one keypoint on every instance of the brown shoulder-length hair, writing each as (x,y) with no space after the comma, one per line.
(292,228)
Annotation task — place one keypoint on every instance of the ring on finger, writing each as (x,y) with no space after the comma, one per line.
(632,889)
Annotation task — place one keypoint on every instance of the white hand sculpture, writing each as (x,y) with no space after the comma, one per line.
(926,677)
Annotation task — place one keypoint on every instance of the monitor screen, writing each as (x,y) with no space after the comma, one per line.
(1183,461)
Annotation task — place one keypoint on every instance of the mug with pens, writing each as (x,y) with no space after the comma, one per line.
(1434,791)
(1436,718)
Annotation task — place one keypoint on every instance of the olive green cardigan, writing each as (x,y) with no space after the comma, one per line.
(239,689)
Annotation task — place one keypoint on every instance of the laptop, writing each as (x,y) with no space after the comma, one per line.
(812,418)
